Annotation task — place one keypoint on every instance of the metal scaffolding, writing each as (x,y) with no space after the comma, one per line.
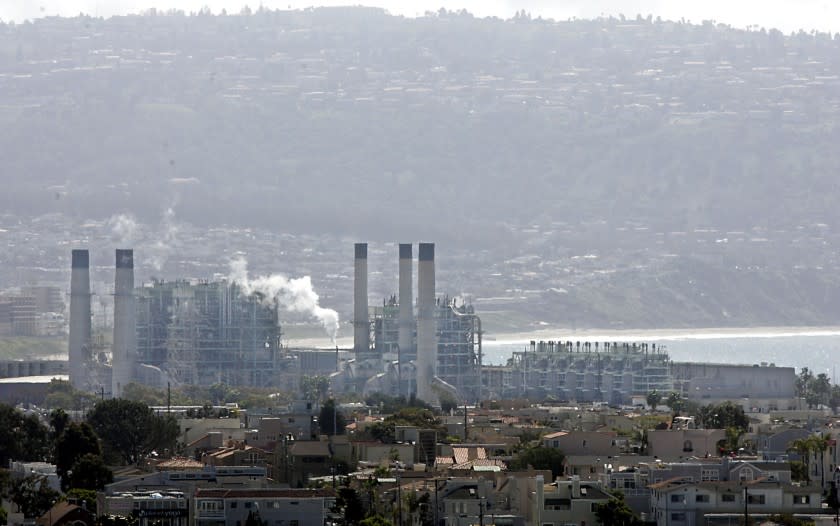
(205,333)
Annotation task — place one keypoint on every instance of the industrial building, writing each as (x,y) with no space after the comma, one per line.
(426,353)
(582,371)
(203,333)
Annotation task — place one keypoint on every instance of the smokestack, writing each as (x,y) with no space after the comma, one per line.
(406,315)
(79,342)
(124,353)
(361,323)
(426,330)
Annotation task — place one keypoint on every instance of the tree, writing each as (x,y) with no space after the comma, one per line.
(33,495)
(330,415)
(802,447)
(130,431)
(75,442)
(819,444)
(83,496)
(675,402)
(616,512)
(349,505)
(539,458)
(653,398)
(376,520)
(91,473)
(62,395)
(21,437)
(254,519)
(59,420)
(722,416)
(314,387)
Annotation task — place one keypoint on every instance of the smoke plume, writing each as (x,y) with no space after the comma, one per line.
(123,228)
(165,240)
(296,295)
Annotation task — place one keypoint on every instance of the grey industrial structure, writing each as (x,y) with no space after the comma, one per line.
(203,333)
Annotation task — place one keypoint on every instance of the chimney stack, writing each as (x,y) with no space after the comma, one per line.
(426,329)
(79,341)
(124,352)
(361,322)
(406,315)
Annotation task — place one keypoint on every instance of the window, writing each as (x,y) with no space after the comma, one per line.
(678,516)
(687,446)
(709,475)
(755,499)
(233,504)
(801,499)
(727,497)
(745,474)
(678,498)
(293,522)
(584,443)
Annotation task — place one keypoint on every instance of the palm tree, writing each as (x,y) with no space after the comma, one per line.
(819,443)
(802,447)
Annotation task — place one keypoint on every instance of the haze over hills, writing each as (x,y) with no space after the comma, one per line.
(613,172)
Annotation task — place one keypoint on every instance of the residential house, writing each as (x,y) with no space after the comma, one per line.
(681,443)
(570,501)
(681,502)
(599,443)
(281,507)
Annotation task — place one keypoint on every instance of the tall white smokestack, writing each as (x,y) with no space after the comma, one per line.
(124,353)
(406,315)
(79,342)
(361,323)
(426,330)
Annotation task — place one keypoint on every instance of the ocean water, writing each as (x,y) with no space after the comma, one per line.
(817,350)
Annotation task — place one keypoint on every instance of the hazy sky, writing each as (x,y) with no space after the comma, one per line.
(787,15)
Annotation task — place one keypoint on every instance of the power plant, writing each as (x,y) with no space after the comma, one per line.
(229,332)
(203,333)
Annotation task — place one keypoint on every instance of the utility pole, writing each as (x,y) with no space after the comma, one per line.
(746,507)
(399,499)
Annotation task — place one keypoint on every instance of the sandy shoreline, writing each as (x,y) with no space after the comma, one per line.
(624,335)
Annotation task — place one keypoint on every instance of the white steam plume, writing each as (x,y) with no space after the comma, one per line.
(165,240)
(123,228)
(296,295)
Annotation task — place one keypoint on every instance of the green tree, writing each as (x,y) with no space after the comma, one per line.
(803,380)
(349,505)
(616,512)
(59,420)
(376,520)
(62,395)
(33,495)
(130,431)
(79,496)
(408,416)
(91,473)
(722,416)
(539,458)
(329,415)
(76,441)
(653,398)
(819,444)
(675,402)
(802,447)
(22,437)
(116,520)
